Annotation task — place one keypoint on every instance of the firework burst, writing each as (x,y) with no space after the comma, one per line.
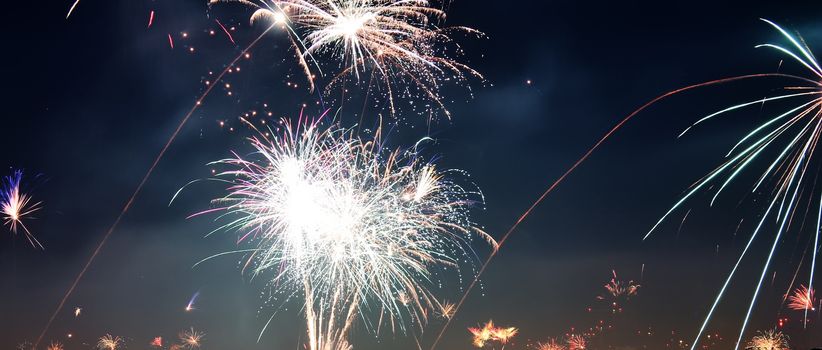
(791,136)
(802,299)
(769,340)
(504,334)
(191,339)
(17,206)
(488,333)
(551,344)
(446,310)
(394,40)
(577,342)
(55,346)
(355,229)
(620,289)
(157,342)
(109,342)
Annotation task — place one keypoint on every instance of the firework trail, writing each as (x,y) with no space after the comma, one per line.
(142,183)
(16,206)
(769,340)
(396,40)
(585,157)
(276,21)
(793,134)
(574,167)
(109,342)
(355,229)
(225,30)
(190,305)
(71,9)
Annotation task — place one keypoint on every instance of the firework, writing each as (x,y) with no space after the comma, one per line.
(191,339)
(157,342)
(351,227)
(503,335)
(620,289)
(802,299)
(109,342)
(396,40)
(190,305)
(792,136)
(482,334)
(769,340)
(55,346)
(577,342)
(77,311)
(446,310)
(139,188)
(17,206)
(551,344)
(490,333)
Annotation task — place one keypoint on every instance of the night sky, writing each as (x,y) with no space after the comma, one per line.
(89,101)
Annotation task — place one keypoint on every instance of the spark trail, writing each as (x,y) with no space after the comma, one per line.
(142,183)
(575,165)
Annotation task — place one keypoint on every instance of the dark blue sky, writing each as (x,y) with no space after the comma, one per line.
(89,101)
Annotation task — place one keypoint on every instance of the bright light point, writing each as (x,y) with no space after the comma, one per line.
(190,306)
(350,26)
